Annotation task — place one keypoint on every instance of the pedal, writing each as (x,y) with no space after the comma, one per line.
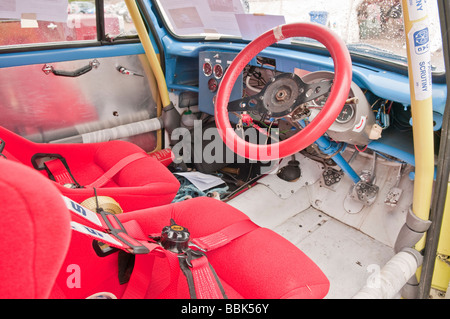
(365,192)
(331,176)
(393,196)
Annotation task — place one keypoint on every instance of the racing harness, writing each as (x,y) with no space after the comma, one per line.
(174,243)
(59,171)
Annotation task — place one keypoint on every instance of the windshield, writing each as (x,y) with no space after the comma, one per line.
(369,27)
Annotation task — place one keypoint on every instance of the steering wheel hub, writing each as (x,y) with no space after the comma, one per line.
(279,98)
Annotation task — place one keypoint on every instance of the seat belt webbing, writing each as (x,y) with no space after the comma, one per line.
(205,283)
(116,168)
(59,172)
(106,228)
(225,236)
(62,174)
(202,280)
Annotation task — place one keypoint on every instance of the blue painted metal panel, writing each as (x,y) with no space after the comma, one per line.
(206,96)
(385,84)
(69,54)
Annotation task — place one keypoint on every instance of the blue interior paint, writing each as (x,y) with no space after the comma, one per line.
(68,54)
(384,84)
(181,65)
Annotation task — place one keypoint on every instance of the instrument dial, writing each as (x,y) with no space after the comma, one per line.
(207,69)
(218,71)
(212,85)
(346,114)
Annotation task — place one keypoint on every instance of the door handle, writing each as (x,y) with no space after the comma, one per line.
(125,71)
(47,69)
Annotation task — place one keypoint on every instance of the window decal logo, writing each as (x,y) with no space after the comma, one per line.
(422,41)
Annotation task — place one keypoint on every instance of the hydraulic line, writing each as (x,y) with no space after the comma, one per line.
(331,148)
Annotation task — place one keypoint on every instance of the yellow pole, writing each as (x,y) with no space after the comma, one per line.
(149,51)
(416,22)
(153,86)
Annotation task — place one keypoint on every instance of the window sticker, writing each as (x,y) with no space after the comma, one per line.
(419,42)
(417,9)
(45,10)
(197,16)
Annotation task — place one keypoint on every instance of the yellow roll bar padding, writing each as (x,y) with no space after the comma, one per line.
(149,51)
(419,70)
(153,87)
(441,272)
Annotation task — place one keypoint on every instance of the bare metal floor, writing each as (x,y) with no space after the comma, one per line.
(347,246)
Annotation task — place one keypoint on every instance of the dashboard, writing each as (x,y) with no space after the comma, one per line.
(356,124)
(213,65)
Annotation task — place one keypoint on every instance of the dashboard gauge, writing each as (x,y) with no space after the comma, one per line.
(218,71)
(212,85)
(346,114)
(207,69)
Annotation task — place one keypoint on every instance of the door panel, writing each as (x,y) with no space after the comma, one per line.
(48,108)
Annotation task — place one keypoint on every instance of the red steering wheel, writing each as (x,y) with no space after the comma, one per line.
(319,125)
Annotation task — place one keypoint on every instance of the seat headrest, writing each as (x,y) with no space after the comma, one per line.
(34,232)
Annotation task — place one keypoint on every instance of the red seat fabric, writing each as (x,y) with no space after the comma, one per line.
(42,257)
(141,184)
(34,232)
(260,264)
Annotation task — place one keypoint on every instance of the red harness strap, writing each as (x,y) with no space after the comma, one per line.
(61,173)
(202,279)
(106,227)
(116,168)
(224,236)
(203,282)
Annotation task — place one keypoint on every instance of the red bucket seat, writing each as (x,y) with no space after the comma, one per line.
(34,232)
(136,179)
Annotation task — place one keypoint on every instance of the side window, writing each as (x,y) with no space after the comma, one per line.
(118,21)
(27,22)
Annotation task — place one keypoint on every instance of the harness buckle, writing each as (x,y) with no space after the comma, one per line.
(41,161)
(190,254)
(192,244)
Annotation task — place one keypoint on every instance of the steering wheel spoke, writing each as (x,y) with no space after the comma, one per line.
(315,90)
(248,104)
(281,96)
